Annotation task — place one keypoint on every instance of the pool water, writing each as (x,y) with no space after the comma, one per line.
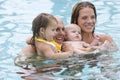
(15,25)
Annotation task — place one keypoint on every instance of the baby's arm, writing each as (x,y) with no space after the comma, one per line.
(84,44)
(86,47)
(78,47)
(66,46)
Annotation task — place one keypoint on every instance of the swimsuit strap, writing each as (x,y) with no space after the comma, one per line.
(54,43)
(58,46)
(39,39)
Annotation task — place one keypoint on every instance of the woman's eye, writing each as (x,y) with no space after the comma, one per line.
(93,17)
(85,17)
(63,29)
(57,29)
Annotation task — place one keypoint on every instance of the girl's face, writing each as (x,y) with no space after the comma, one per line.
(50,31)
(86,19)
(73,33)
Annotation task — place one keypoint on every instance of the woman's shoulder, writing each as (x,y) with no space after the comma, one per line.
(104,37)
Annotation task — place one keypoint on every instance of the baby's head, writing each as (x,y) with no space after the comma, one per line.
(73,32)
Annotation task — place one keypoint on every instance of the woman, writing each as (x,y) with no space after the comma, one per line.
(60,35)
(84,14)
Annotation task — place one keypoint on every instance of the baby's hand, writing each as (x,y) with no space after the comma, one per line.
(85,45)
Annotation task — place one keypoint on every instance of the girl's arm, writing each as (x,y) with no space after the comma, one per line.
(48,52)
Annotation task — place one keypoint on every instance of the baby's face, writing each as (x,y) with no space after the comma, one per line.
(73,33)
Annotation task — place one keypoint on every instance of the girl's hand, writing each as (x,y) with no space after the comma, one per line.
(66,47)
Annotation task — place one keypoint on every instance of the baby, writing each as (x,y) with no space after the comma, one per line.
(73,37)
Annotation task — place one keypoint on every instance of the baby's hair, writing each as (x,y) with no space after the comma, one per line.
(70,25)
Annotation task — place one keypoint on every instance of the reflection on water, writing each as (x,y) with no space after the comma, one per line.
(89,66)
(15,21)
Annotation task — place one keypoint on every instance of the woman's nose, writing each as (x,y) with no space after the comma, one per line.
(62,32)
(89,20)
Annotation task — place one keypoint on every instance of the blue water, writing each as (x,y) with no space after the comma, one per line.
(15,25)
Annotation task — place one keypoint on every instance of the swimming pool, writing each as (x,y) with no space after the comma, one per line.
(15,26)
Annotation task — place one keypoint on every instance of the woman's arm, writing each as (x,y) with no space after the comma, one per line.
(112,44)
(104,37)
(25,54)
(28,40)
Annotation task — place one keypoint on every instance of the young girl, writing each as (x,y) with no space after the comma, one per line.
(44,29)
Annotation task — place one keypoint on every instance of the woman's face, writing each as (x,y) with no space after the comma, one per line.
(60,33)
(86,20)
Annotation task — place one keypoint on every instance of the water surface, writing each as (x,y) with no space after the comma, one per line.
(15,26)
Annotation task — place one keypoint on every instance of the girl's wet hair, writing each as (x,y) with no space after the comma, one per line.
(41,21)
(76,9)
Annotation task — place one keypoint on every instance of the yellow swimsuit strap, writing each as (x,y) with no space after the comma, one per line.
(58,46)
(39,39)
